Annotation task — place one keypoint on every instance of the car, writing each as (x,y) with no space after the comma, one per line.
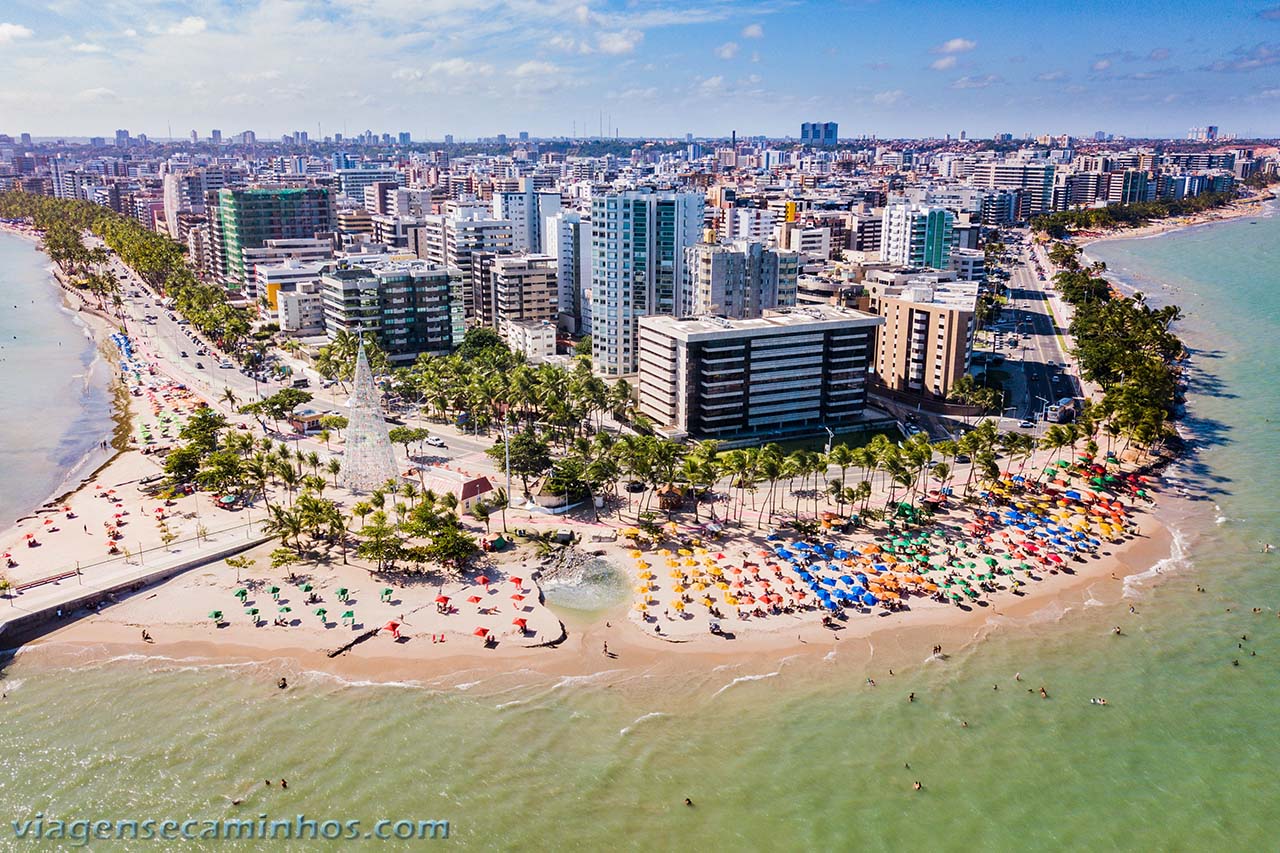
(183,353)
(435,441)
(1027,424)
(635,486)
(962,458)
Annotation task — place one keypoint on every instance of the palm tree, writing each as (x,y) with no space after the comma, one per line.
(334,467)
(229,397)
(361,510)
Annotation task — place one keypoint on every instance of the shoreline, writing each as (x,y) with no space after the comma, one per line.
(1235,210)
(98,331)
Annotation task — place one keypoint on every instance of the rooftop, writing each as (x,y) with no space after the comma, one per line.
(806,318)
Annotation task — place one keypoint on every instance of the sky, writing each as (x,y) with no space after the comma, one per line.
(651,67)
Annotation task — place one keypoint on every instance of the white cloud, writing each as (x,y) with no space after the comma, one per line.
(1051,76)
(975,82)
(617,43)
(711,85)
(86,47)
(13,32)
(728,50)
(889,98)
(944,63)
(100,94)
(956,45)
(753,31)
(1101,65)
(458,67)
(130,33)
(534,68)
(188,26)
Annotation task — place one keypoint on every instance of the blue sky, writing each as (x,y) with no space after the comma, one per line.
(658,67)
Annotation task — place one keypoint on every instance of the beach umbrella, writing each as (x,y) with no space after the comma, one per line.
(286,609)
(517,597)
(442,599)
(216,615)
(321,612)
(275,592)
(475,599)
(483,580)
(386,594)
(253,611)
(242,594)
(517,581)
(640,605)
(393,626)
(481,632)
(342,593)
(520,623)
(306,587)
(348,615)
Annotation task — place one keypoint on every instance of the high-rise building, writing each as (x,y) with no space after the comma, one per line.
(917,235)
(1036,178)
(738,281)
(351,182)
(247,218)
(122,138)
(523,288)
(405,138)
(451,239)
(819,133)
(926,341)
(638,239)
(408,306)
(788,373)
(216,136)
(567,239)
(528,210)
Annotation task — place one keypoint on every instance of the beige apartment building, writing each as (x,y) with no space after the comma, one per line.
(926,341)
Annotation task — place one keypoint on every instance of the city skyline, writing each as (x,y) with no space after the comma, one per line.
(893,69)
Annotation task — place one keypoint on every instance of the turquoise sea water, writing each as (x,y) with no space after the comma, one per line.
(55,404)
(783,754)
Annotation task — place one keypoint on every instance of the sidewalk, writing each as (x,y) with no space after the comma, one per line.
(27,612)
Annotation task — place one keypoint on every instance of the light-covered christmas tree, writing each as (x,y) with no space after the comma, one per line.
(369,459)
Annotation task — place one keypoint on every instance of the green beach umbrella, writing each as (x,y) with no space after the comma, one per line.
(306,587)
(342,593)
(321,612)
(275,592)
(216,615)
(286,609)
(242,593)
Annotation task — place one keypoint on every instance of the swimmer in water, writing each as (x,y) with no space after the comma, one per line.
(688,802)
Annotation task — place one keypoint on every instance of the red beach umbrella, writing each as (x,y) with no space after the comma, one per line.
(517,597)
(517,581)
(442,599)
(475,599)
(519,623)
(483,580)
(481,632)
(391,626)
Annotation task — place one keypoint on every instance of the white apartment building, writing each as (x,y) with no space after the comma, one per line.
(301,312)
(638,238)
(450,239)
(535,339)
(916,235)
(747,223)
(565,237)
(738,281)
(527,210)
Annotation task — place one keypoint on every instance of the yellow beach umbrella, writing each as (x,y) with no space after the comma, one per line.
(677,589)
(641,606)
(685,552)
(678,605)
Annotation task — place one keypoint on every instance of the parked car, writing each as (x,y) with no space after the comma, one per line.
(183,353)
(435,441)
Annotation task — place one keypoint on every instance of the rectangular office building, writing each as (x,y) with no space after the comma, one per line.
(788,373)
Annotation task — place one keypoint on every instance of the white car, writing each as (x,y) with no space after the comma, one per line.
(435,441)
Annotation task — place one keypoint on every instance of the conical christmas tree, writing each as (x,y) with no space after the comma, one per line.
(369,459)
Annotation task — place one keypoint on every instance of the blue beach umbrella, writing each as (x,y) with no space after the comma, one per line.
(869,599)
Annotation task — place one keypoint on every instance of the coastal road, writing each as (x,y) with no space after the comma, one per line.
(1034,346)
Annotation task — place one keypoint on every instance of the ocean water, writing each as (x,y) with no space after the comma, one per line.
(55,401)
(779,754)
